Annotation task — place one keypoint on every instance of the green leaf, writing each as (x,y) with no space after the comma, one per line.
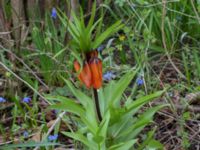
(93,12)
(77,23)
(87,103)
(84,99)
(74,33)
(99,27)
(104,125)
(70,107)
(59,52)
(38,38)
(28,144)
(90,124)
(147,140)
(123,146)
(120,124)
(154,144)
(143,100)
(102,101)
(63,17)
(116,114)
(110,11)
(103,36)
(79,137)
(141,122)
(118,88)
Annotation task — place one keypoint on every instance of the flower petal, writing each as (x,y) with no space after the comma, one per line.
(85,74)
(96,70)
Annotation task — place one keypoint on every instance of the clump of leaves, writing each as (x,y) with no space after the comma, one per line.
(119,126)
(89,36)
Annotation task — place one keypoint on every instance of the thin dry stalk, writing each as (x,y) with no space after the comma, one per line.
(164,39)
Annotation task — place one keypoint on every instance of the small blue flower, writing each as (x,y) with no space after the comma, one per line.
(139,81)
(52,137)
(25,134)
(100,48)
(26,99)
(53,13)
(55,111)
(108,76)
(2,100)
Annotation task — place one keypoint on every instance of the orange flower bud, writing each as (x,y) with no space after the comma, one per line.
(96,70)
(92,54)
(85,74)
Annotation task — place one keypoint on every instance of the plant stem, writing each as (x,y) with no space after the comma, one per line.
(97,104)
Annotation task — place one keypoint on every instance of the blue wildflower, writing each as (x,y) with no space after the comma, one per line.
(100,48)
(26,99)
(139,81)
(52,137)
(108,76)
(53,13)
(25,134)
(55,111)
(2,100)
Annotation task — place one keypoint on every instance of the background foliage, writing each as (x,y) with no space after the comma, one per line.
(160,37)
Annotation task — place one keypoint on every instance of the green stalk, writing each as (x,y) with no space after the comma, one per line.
(96,99)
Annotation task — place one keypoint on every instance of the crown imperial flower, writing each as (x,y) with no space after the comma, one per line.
(91,73)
